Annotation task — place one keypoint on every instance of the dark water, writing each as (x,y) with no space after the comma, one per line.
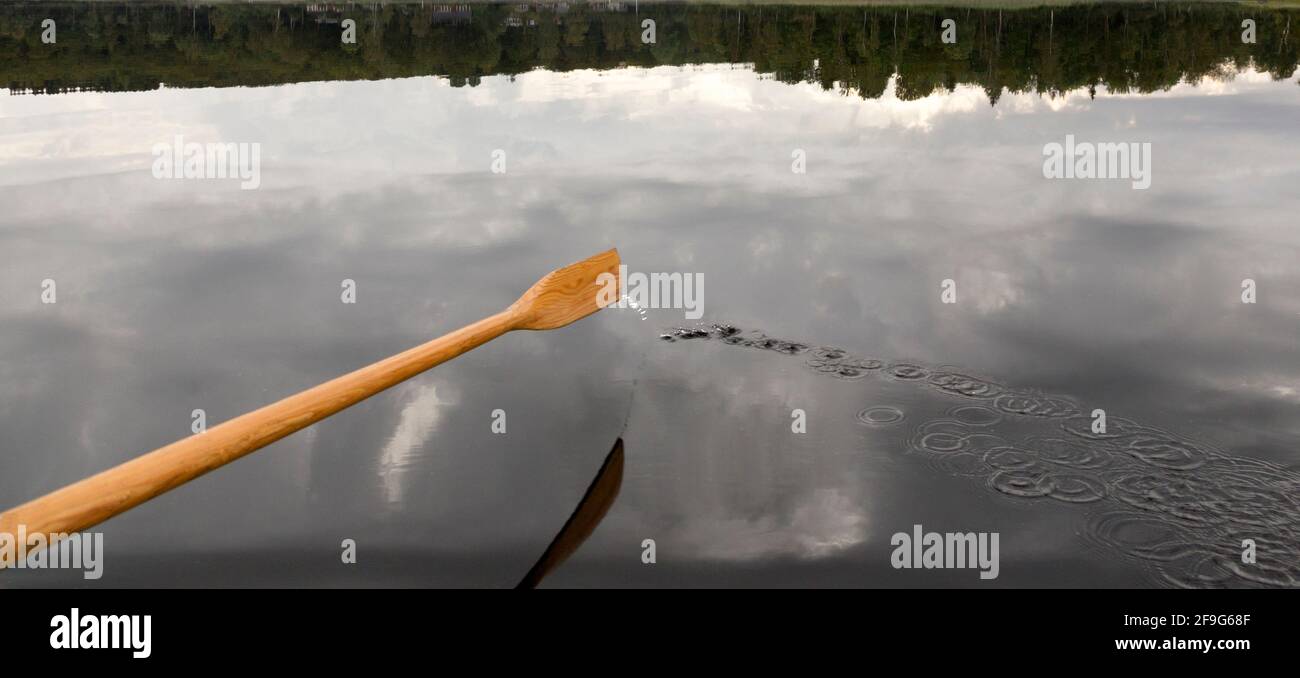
(924,163)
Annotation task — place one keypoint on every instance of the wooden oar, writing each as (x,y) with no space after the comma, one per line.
(559,298)
(591,510)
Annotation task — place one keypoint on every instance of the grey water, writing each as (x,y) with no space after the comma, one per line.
(822,293)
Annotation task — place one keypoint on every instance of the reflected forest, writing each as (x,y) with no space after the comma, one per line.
(853,50)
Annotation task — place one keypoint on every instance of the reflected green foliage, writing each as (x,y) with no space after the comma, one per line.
(1128,48)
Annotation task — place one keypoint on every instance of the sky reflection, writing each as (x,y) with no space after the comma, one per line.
(184,294)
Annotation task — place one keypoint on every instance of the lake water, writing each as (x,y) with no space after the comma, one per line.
(921,163)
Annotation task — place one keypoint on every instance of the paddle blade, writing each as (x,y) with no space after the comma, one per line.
(591,510)
(570,293)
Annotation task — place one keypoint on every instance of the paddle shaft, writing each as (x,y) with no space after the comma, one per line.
(102,496)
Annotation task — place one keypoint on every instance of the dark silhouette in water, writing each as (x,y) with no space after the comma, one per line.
(1123,47)
(595,503)
(1180,506)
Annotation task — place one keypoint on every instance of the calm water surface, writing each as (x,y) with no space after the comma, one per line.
(1072,295)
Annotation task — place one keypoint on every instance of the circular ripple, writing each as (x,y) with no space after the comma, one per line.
(981,443)
(848,372)
(1075,488)
(880,416)
(1258,485)
(1069,453)
(1267,574)
(1165,451)
(825,353)
(976,415)
(942,443)
(1184,499)
(1203,570)
(1133,534)
(1033,405)
(907,371)
(837,362)
(777,345)
(940,436)
(964,385)
(1174,551)
(1249,490)
(1261,471)
(1013,459)
(1192,505)
(863,363)
(1024,483)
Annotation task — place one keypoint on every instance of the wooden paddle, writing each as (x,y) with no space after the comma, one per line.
(559,298)
(591,510)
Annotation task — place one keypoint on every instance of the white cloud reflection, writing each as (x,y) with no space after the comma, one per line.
(685,166)
(417,422)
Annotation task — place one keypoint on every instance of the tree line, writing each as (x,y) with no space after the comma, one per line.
(856,50)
